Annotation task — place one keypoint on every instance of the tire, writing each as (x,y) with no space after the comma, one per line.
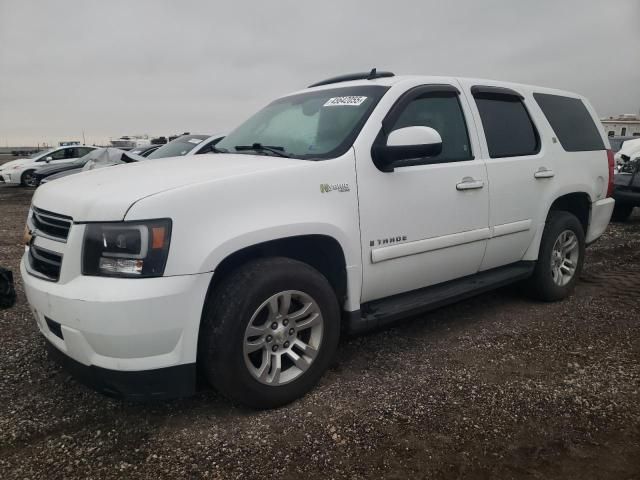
(242,299)
(27,179)
(545,284)
(621,212)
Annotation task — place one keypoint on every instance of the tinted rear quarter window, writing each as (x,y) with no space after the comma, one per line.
(571,122)
(507,126)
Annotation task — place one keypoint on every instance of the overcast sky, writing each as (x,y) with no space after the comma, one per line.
(154,67)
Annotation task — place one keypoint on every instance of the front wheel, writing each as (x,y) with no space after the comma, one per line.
(28,179)
(269,332)
(560,259)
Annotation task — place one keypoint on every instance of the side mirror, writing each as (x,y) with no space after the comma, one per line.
(48,159)
(406,144)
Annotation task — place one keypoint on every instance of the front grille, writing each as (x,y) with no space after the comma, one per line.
(45,262)
(51,225)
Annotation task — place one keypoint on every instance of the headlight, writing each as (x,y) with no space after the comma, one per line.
(126,249)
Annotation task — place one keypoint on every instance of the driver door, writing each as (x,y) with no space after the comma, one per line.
(428,223)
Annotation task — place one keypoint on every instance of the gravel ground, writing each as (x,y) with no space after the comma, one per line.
(494,387)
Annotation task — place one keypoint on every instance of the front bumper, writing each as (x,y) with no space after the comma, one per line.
(126,337)
(159,384)
(6,177)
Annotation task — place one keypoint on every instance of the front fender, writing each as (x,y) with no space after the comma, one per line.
(215,218)
(278,232)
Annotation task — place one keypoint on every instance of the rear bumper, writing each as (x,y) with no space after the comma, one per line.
(600,216)
(159,384)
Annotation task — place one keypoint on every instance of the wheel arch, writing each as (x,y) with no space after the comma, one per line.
(576,202)
(322,252)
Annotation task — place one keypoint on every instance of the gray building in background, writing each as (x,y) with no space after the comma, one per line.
(626,125)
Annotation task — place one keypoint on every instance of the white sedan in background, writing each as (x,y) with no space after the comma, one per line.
(20,172)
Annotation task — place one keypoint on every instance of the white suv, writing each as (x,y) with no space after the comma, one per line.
(343,206)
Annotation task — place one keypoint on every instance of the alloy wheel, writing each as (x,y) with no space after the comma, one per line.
(29,179)
(564,258)
(283,337)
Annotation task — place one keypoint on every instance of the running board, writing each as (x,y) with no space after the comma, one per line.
(378,313)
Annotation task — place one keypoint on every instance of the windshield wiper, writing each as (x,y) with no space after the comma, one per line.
(258,147)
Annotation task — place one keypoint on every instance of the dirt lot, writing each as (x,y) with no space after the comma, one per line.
(494,387)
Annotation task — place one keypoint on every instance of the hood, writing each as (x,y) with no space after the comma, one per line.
(21,161)
(107,194)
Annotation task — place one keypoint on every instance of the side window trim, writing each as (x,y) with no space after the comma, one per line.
(488,91)
(477,90)
(409,96)
(404,100)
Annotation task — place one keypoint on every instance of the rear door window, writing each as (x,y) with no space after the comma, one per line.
(507,125)
(571,122)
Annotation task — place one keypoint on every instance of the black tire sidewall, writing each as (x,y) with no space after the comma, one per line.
(544,286)
(223,339)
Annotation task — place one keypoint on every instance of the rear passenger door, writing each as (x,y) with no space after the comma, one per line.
(520,172)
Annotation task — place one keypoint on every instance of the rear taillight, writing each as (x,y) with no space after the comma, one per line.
(611,161)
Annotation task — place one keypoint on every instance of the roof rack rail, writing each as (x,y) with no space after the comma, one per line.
(373,74)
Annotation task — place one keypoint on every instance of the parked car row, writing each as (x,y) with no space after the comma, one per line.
(55,163)
(627,179)
(101,157)
(21,171)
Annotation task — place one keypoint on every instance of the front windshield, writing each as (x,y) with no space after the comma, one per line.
(178,147)
(315,125)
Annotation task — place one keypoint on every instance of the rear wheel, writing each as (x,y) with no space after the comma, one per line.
(560,259)
(28,179)
(621,212)
(269,332)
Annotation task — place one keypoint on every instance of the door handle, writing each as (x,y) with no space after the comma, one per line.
(469,183)
(544,172)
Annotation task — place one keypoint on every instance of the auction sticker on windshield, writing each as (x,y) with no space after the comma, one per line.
(338,101)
